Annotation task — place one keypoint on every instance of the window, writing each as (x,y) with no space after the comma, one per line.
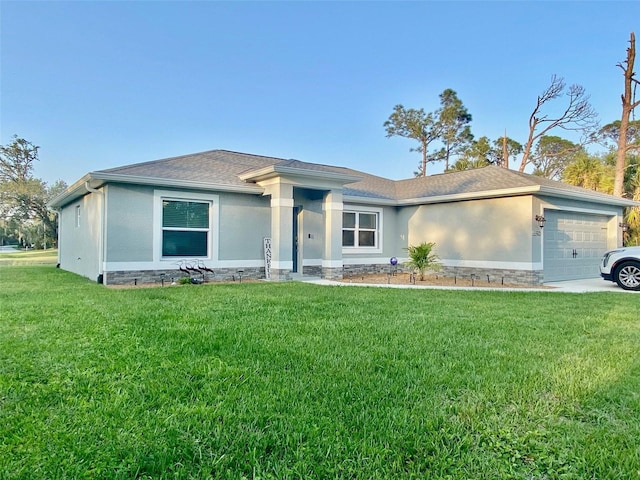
(77,215)
(360,229)
(185,228)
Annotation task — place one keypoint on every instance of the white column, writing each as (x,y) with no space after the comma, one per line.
(332,253)
(281,229)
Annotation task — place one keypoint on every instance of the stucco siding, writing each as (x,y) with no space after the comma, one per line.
(244,221)
(79,244)
(129,220)
(311,227)
(489,230)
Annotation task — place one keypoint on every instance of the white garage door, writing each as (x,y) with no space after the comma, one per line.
(573,245)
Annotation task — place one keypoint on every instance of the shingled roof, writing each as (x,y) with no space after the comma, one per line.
(230,170)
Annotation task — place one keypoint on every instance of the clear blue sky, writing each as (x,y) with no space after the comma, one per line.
(102,84)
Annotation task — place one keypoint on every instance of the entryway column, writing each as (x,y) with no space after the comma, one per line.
(281,229)
(332,253)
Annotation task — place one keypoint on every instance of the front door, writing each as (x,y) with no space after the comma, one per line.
(294,253)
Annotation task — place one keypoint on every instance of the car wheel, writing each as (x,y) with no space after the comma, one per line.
(628,275)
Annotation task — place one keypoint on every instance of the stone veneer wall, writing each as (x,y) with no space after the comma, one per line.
(515,277)
(142,277)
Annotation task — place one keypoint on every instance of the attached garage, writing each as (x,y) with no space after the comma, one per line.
(573,244)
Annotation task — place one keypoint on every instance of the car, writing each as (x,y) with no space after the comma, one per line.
(622,265)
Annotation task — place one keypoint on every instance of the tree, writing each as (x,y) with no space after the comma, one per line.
(552,154)
(453,120)
(576,115)
(416,125)
(611,133)
(590,172)
(508,148)
(23,199)
(628,105)
(477,155)
(16,160)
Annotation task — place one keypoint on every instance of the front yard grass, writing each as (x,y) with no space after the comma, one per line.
(29,257)
(263,380)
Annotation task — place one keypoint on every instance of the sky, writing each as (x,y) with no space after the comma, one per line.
(98,85)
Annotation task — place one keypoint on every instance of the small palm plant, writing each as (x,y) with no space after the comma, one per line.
(422,258)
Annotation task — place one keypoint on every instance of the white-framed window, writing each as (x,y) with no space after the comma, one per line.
(185,228)
(77,216)
(361,229)
(184,225)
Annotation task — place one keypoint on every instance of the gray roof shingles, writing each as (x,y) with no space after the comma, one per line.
(223,167)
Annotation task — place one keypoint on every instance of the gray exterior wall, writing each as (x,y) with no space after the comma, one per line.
(129,220)
(244,221)
(79,247)
(497,229)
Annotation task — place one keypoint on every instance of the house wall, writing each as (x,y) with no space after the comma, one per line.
(129,221)
(244,222)
(495,237)
(239,224)
(494,230)
(79,246)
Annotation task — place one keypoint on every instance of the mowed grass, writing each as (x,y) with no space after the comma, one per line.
(261,380)
(29,257)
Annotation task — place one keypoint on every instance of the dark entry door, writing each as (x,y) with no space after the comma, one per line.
(294,253)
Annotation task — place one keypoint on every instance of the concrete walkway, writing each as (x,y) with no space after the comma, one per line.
(573,286)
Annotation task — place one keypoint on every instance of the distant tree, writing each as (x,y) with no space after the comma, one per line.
(552,154)
(453,120)
(589,171)
(610,133)
(16,160)
(479,154)
(23,199)
(576,115)
(416,125)
(628,105)
(505,149)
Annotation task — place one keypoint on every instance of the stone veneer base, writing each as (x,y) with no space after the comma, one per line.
(514,277)
(146,277)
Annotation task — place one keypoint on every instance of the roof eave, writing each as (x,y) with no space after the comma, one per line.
(589,197)
(98,179)
(458,197)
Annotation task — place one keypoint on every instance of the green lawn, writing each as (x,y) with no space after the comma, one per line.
(29,257)
(259,380)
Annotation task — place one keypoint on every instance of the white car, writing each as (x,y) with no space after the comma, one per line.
(622,266)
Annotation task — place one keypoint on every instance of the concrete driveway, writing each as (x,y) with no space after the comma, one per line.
(586,285)
(573,286)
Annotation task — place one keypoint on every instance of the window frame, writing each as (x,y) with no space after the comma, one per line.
(160,196)
(356,248)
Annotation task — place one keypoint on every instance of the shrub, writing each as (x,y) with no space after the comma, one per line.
(422,258)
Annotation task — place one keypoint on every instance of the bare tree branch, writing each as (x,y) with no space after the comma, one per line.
(578,114)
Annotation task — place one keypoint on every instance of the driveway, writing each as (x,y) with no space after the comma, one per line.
(572,286)
(586,285)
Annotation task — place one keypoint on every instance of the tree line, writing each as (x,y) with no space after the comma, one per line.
(445,135)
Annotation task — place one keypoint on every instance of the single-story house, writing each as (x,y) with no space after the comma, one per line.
(262,217)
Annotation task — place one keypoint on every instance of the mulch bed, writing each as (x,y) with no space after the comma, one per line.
(432,280)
